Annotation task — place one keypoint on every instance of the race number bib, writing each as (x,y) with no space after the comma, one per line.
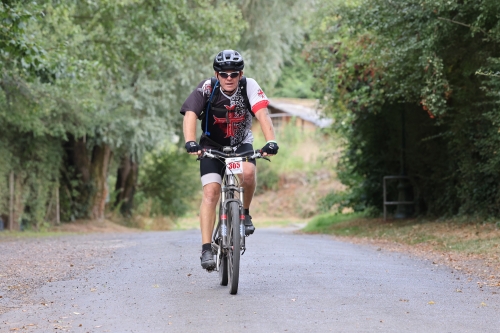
(234,165)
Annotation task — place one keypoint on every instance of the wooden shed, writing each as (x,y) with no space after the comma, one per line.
(304,113)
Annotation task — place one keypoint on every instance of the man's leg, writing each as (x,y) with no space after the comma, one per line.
(248,182)
(211,193)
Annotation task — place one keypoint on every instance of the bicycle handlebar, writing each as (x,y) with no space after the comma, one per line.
(213,153)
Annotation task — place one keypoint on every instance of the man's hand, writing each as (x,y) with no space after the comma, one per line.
(193,148)
(271,148)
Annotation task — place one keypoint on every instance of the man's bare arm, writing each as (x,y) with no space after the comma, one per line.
(189,128)
(266,124)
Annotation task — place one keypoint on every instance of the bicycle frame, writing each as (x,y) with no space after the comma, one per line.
(228,190)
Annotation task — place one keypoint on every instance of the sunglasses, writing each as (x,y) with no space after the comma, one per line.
(225,75)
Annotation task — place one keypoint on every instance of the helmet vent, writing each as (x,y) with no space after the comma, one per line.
(228,59)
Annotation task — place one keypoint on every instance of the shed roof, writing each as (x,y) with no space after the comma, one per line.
(307,109)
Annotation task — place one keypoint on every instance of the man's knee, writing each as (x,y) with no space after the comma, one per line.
(211,193)
(248,174)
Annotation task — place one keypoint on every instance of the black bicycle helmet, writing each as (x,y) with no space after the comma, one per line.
(228,59)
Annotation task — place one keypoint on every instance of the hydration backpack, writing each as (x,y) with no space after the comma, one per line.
(214,83)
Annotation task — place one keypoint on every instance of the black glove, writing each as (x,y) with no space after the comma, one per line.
(271,148)
(192,147)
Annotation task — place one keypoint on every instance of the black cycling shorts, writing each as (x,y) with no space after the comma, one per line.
(212,170)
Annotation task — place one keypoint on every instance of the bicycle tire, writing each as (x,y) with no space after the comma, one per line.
(233,258)
(223,276)
(223,258)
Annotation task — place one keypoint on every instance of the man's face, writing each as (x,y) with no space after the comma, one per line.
(229,79)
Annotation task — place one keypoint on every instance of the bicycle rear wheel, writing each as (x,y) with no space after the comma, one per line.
(233,257)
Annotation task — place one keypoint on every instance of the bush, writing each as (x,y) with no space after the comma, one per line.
(168,179)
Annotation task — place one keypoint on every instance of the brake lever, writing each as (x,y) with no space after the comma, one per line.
(264,157)
(202,155)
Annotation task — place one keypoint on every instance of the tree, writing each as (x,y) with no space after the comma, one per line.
(141,51)
(377,59)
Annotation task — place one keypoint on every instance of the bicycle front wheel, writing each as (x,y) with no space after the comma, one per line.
(233,258)
(223,257)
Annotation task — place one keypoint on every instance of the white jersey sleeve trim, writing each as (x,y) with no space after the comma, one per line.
(257,98)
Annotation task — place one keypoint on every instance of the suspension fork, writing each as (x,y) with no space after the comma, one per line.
(223,217)
(242,221)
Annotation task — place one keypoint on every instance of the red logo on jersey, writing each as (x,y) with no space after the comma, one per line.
(261,93)
(230,120)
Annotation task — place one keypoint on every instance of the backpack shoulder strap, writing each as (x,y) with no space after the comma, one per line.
(213,83)
(244,93)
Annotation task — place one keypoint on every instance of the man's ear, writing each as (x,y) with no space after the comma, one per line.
(216,74)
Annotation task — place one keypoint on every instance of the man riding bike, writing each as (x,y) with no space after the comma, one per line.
(226,120)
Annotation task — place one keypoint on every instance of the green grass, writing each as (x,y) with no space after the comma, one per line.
(334,223)
(470,237)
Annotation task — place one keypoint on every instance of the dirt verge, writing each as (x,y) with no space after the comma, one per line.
(26,263)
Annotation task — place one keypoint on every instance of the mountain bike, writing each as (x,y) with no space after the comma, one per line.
(228,239)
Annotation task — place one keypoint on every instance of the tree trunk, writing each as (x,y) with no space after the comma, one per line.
(19,185)
(81,160)
(75,180)
(126,183)
(101,156)
(11,202)
(87,196)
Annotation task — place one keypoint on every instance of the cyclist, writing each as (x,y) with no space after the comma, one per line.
(225,121)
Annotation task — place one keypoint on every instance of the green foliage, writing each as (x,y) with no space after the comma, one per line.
(110,74)
(272,29)
(17,50)
(323,222)
(268,177)
(296,79)
(377,60)
(168,179)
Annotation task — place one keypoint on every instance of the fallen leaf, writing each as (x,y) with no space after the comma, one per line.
(189,274)
(431,302)
(293,299)
(483,304)
(156,286)
(77,313)
(93,289)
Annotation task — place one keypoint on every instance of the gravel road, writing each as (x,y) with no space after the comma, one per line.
(289,282)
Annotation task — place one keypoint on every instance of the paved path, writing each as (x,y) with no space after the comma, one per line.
(288,283)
